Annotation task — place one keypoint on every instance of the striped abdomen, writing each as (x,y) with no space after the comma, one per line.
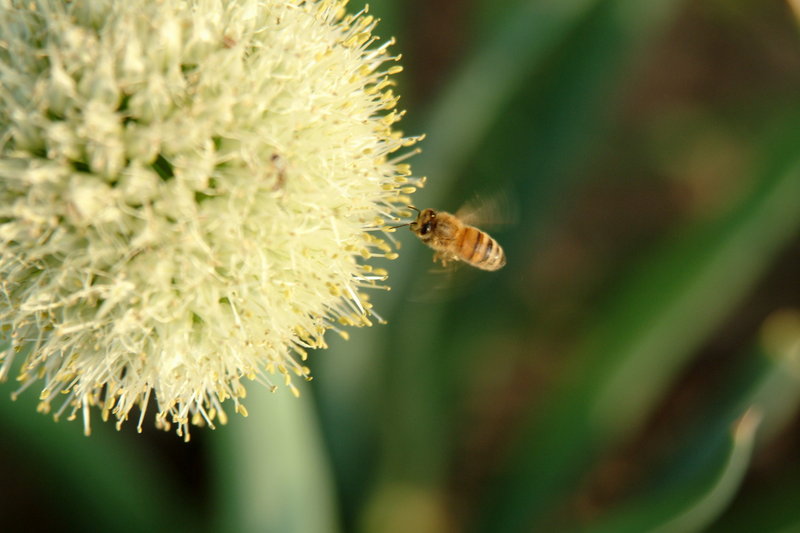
(480,250)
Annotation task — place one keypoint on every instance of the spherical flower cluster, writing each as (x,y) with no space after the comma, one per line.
(189,190)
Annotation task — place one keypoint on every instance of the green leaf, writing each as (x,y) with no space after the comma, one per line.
(272,473)
(701,498)
(703,478)
(470,105)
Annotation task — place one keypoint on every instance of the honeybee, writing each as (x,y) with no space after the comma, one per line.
(454,240)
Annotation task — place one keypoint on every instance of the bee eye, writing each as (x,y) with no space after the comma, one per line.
(425,228)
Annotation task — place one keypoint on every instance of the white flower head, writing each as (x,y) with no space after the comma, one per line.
(189,191)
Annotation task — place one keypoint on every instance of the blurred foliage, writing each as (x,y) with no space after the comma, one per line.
(635,366)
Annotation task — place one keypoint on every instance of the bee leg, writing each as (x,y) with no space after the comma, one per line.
(443,258)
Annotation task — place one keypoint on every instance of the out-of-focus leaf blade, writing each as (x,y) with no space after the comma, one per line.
(704,509)
(271,468)
(773,508)
(693,505)
(468,107)
(687,498)
(647,333)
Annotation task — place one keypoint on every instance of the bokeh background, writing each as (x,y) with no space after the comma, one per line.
(635,367)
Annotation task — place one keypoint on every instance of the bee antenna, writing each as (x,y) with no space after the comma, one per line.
(407,223)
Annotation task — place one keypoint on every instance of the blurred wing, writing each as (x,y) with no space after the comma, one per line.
(440,284)
(491,211)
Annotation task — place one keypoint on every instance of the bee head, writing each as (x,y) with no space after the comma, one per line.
(424,224)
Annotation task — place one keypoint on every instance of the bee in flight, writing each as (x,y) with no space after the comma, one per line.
(455,240)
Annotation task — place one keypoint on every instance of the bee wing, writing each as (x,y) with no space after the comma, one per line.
(443,283)
(491,211)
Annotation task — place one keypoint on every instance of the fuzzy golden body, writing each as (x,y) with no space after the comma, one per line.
(454,240)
